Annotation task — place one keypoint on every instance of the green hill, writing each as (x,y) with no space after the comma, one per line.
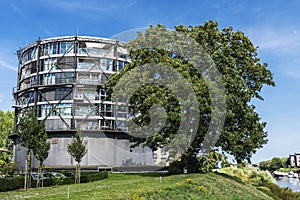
(148,186)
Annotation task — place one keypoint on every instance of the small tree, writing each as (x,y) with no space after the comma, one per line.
(29,132)
(41,150)
(77,150)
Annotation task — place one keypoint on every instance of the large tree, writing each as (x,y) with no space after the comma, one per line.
(235,58)
(244,76)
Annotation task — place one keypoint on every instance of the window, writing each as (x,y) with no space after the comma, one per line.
(65,47)
(121,65)
(33,67)
(91,94)
(56,110)
(82,110)
(50,64)
(50,48)
(33,80)
(63,77)
(61,92)
(49,79)
(106,64)
(30,54)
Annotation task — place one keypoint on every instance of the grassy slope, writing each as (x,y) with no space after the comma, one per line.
(130,186)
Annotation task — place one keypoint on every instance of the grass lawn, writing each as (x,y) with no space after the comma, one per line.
(147,186)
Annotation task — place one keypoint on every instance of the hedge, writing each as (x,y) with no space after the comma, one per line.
(7,184)
(12,183)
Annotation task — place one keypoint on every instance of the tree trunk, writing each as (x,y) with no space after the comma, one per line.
(27,181)
(77,173)
(238,160)
(40,181)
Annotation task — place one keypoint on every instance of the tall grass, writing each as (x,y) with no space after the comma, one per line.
(251,175)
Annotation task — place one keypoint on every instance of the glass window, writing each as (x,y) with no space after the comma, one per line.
(61,92)
(49,79)
(63,77)
(106,64)
(33,80)
(50,64)
(55,110)
(50,48)
(66,47)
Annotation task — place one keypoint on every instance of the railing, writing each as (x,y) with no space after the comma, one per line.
(96,51)
(89,81)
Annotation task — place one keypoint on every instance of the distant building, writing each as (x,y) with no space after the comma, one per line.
(60,80)
(161,156)
(295,159)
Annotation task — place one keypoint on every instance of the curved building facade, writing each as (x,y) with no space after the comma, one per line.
(60,80)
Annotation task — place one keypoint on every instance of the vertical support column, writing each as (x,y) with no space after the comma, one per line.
(74,86)
(16,93)
(114,107)
(36,89)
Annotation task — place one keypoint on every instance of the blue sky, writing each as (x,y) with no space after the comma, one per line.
(272,25)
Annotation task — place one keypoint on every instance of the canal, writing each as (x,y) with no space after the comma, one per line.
(292,183)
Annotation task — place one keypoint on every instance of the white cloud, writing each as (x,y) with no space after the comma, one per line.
(271,38)
(282,46)
(7,65)
(76,5)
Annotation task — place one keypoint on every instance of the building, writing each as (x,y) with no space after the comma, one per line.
(294,160)
(161,157)
(60,79)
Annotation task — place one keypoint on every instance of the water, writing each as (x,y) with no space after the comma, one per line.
(292,183)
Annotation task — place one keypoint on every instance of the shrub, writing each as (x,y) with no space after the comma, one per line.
(13,183)
(7,184)
(281,193)
(176,167)
(265,190)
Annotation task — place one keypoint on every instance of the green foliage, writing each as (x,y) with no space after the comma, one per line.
(124,186)
(9,169)
(249,174)
(236,58)
(244,76)
(42,147)
(188,190)
(204,163)
(6,127)
(279,193)
(209,161)
(77,150)
(263,180)
(33,136)
(176,167)
(274,164)
(267,191)
(13,183)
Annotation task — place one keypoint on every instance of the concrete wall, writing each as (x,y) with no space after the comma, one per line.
(102,151)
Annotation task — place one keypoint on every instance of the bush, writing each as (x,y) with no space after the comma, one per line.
(265,190)
(13,183)
(176,167)
(7,184)
(281,193)
(91,177)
